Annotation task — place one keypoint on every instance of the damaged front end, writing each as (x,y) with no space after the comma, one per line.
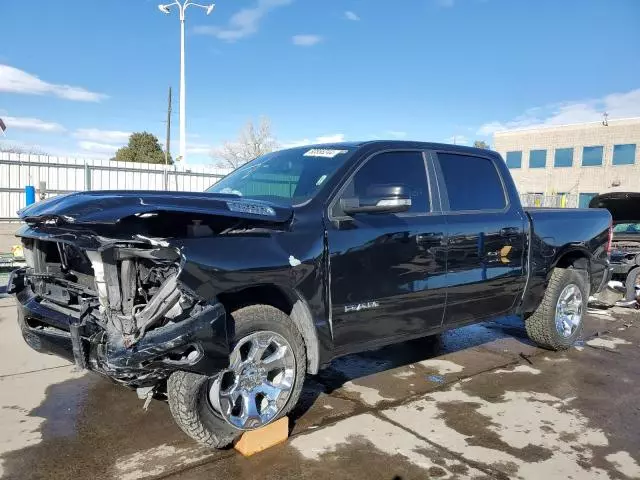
(105,280)
(121,309)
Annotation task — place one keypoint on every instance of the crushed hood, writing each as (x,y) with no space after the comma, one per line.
(109,207)
(623,206)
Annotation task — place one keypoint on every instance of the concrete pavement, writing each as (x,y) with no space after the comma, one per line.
(480,402)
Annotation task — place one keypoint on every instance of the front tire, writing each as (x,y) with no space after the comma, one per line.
(558,321)
(263,382)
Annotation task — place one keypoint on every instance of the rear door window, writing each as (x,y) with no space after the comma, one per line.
(473,183)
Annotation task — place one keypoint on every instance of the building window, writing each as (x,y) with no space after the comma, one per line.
(564,157)
(514,159)
(591,156)
(585,198)
(538,159)
(624,154)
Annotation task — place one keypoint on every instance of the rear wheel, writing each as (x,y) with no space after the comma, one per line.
(557,322)
(632,284)
(262,383)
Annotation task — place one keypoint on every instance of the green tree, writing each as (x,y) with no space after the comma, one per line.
(143,147)
(481,144)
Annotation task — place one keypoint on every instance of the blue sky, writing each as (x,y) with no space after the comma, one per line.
(76,76)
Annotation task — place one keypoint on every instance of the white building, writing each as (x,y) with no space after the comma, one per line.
(576,160)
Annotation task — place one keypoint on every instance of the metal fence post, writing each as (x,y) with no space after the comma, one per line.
(87,176)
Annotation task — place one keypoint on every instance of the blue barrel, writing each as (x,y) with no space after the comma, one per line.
(30,194)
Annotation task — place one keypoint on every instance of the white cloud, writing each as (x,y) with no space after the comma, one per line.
(13,80)
(296,143)
(457,140)
(244,23)
(199,148)
(97,147)
(34,124)
(349,15)
(101,142)
(334,138)
(396,133)
(306,40)
(617,105)
(97,135)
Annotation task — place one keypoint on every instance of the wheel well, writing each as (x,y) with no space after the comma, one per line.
(576,259)
(259,294)
(290,304)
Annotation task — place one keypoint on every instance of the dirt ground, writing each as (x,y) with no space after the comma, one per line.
(478,402)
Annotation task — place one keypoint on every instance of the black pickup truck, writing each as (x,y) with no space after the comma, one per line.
(226,299)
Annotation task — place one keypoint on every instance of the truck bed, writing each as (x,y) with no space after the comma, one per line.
(554,232)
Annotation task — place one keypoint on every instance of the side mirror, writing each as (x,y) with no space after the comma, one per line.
(378,199)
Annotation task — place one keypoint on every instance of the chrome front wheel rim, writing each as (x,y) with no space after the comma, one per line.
(569,309)
(258,383)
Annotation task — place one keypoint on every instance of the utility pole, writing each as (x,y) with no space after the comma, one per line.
(167,151)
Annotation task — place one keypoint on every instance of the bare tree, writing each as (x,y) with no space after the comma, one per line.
(252,142)
(29,150)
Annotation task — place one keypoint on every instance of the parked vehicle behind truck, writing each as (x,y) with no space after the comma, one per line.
(228,298)
(625,251)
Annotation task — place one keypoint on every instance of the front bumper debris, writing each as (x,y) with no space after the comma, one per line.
(197,343)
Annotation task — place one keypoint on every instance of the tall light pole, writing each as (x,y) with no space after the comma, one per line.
(182,8)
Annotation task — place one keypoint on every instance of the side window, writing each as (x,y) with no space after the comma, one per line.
(473,183)
(405,169)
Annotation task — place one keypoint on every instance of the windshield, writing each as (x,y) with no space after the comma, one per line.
(627,228)
(291,176)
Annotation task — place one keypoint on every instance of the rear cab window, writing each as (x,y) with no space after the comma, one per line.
(472,183)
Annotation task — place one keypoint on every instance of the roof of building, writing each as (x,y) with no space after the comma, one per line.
(546,128)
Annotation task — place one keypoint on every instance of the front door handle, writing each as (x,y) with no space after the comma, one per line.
(509,231)
(430,239)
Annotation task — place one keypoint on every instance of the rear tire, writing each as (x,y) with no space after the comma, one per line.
(558,320)
(633,280)
(190,394)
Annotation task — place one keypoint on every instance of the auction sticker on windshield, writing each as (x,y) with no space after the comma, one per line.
(324,152)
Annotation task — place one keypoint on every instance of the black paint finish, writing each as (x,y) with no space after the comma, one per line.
(109,207)
(356,282)
(399,262)
(623,206)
